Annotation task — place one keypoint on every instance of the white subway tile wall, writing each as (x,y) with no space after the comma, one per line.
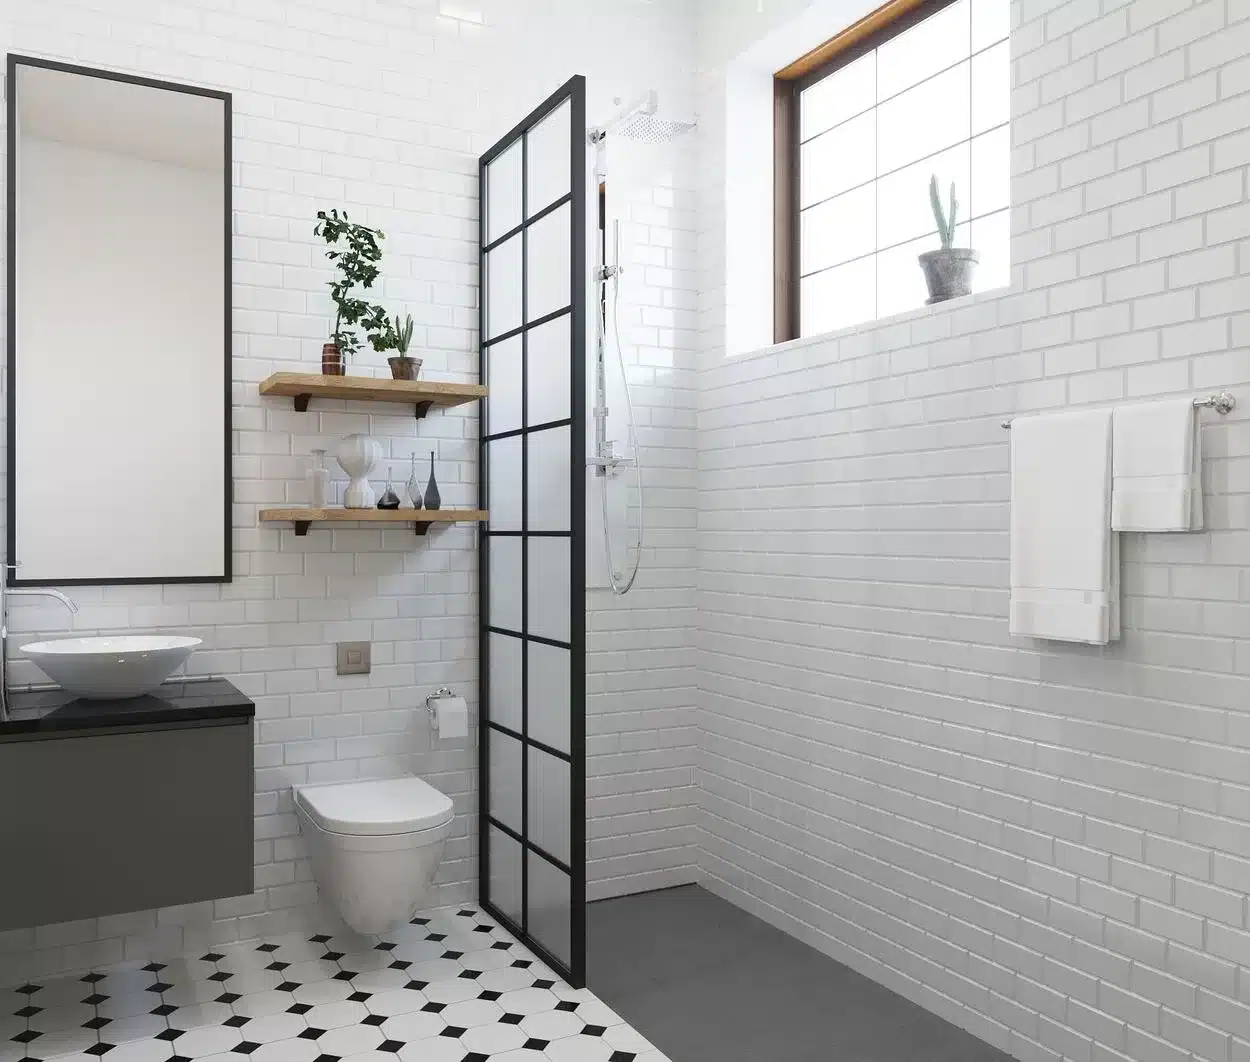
(383,108)
(1047,844)
(640,734)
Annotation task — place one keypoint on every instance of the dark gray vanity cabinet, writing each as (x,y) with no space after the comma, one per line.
(106,819)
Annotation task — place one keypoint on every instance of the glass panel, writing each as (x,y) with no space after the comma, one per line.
(939,41)
(504,487)
(503,288)
(505,780)
(903,208)
(900,280)
(505,583)
(551,910)
(549,588)
(839,229)
(991,88)
(991,236)
(503,193)
(991,22)
(842,95)
(923,120)
(838,160)
(548,264)
(505,680)
(838,297)
(549,804)
(549,159)
(548,680)
(550,479)
(503,368)
(505,873)
(991,173)
(550,358)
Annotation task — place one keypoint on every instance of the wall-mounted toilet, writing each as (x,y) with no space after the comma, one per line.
(375,845)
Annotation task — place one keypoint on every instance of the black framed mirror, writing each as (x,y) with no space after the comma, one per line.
(119,328)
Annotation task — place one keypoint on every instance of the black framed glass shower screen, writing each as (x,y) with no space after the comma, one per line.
(533,675)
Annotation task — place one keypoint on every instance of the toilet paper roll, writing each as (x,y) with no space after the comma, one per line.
(451,717)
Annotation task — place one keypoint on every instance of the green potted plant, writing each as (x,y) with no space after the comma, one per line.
(355,250)
(948,270)
(402,366)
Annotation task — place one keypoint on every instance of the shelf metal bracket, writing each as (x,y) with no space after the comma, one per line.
(301,403)
(422,409)
(301,527)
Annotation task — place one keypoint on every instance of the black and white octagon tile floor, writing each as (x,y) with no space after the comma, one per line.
(451,986)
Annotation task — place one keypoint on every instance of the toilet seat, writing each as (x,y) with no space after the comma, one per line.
(376,807)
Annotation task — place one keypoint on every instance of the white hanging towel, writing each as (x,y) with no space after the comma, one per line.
(1065,559)
(1157,467)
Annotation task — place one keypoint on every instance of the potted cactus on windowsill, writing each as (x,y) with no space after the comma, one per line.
(947,271)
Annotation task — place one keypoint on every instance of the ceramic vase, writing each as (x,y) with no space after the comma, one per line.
(357,455)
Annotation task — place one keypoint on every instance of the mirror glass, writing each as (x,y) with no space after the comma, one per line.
(119,350)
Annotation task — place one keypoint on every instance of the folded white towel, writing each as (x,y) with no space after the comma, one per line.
(1065,583)
(1157,467)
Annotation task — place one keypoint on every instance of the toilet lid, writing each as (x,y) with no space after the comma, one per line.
(393,805)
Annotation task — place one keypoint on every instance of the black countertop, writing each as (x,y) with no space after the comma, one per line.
(35,713)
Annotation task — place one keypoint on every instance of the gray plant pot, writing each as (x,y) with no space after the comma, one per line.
(948,272)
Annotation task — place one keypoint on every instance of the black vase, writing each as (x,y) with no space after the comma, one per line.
(432,498)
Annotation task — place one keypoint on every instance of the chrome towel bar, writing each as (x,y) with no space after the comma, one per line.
(1223,403)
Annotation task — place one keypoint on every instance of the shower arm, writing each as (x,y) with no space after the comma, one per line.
(648,103)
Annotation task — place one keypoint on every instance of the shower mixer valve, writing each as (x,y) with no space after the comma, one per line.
(606,462)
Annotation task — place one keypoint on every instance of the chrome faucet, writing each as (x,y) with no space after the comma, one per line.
(5,594)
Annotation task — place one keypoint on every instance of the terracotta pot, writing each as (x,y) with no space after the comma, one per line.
(404,367)
(331,360)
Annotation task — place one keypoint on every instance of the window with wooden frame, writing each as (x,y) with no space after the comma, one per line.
(917,88)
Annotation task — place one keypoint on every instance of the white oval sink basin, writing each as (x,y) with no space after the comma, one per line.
(111,668)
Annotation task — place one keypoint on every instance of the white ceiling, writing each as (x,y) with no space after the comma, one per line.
(96,112)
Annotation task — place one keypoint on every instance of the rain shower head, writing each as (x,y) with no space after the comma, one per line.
(650,129)
(640,121)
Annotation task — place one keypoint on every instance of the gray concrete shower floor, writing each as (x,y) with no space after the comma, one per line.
(706,982)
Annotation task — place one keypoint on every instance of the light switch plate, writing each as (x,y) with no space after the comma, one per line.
(354,658)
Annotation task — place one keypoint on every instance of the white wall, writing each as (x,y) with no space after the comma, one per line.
(1046,844)
(384,109)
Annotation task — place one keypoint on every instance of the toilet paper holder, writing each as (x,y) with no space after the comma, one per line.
(442,691)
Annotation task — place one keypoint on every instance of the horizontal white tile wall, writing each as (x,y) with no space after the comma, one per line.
(1047,844)
(381,107)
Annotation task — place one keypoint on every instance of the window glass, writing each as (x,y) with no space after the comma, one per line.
(932,99)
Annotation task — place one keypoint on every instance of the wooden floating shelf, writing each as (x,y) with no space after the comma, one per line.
(303,518)
(423,394)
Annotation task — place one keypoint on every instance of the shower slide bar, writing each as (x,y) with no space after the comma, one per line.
(1223,403)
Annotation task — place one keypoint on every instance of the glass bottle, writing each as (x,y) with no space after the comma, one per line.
(389,499)
(414,485)
(433,500)
(317,479)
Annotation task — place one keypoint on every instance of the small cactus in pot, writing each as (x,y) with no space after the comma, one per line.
(947,271)
(402,366)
